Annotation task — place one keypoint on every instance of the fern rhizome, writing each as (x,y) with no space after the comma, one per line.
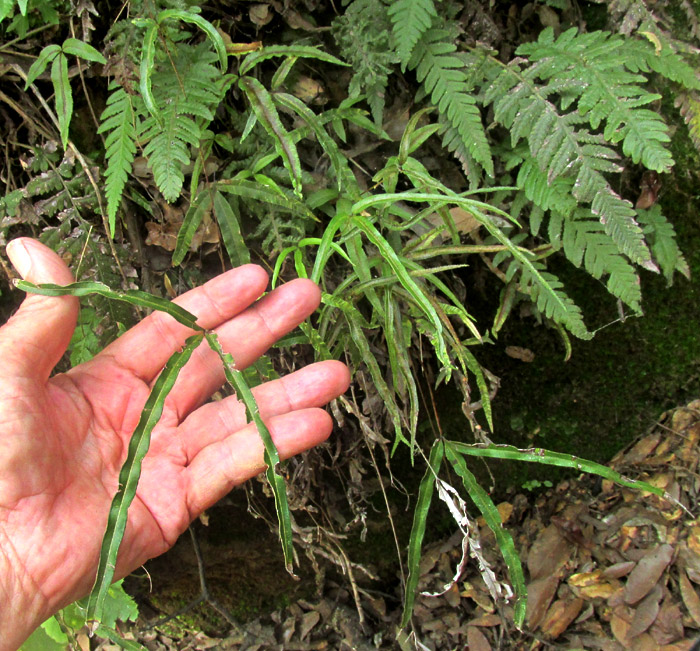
(544,139)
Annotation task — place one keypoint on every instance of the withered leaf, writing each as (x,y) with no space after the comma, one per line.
(648,571)
(560,615)
(523,354)
(548,553)
(690,597)
(646,612)
(476,640)
(540,593)
(308,621)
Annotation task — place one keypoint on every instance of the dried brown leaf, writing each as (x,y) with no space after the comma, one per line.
(540,593)
(690,597)
(549,553)
(648,571)
(646,612)
(560,615)
(476,640)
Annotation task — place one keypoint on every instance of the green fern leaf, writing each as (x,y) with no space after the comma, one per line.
(411,19)
(363,35)
(167,151)
(689,104)
(562,149)
(585,241)
(546,291)
(586,69)
(119,120)
(662,237)
(445,80)
(186,88)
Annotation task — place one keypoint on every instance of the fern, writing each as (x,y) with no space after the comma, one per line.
(689,106)
(186,89)
(585,242)
(363,36)
(585,68)
(662,238)
(546,292)
(444,77)
(562,148)
(119,119)
(411,19)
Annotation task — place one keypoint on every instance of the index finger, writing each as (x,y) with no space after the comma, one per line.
(145,348)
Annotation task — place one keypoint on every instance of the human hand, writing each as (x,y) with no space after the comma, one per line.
(63,439)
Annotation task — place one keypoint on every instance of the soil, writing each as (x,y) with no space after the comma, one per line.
(607,568)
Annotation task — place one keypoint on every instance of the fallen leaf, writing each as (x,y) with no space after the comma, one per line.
(620,624)
(550,552)
(523,354)
(561,613)
(540,593)
(476,640)
(646,612)
(260,14)
(648,571)
(668,626)
(309,90)
(618,570)
(690,597)
(308,621)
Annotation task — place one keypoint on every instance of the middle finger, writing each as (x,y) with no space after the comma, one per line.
(246,337)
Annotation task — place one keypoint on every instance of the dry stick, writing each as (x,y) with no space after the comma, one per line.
(11,103)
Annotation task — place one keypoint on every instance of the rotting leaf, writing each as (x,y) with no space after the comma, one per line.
(690,597)
(648,571)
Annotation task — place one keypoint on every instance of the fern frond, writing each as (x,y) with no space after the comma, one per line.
(562,149)
(410,19)
(546,291)
(689,106)
(632,14)
(119,119)
(662,238)
(186,89)
(585,242)
(363,35)
(589,69)
(445,80)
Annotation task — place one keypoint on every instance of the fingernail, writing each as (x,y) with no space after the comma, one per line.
(19,257)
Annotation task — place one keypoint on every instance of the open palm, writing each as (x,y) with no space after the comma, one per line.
(63,439)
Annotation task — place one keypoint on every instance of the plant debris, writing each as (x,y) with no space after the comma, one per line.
(609,569)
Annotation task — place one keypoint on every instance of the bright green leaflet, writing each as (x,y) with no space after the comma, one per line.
(271,456)
(266,113)
(540,455)
(230,228)
(405,279)
(129,476)
(133,296)
(63,95)
(493,519)
(420,517)
(300,51)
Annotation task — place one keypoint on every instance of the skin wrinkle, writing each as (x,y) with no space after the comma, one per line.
(11,568)
(68,436)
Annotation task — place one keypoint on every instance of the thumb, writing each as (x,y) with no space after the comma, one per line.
(34,339)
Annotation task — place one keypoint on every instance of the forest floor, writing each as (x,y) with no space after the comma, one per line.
(608,568)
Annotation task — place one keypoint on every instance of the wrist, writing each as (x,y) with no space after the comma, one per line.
(22,605)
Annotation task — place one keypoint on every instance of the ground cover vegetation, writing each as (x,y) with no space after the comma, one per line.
(400,154)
